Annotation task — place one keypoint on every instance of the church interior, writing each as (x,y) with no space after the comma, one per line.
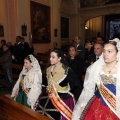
(41,24)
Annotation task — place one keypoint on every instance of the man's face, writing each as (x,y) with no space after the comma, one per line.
(5,48)
(98,49)
(2,43)
(18,39)
(99,40)
(77,40)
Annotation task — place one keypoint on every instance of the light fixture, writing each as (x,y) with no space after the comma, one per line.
(86,27)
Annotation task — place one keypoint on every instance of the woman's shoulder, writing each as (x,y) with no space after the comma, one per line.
(66,67)
(78,57)
(49,68)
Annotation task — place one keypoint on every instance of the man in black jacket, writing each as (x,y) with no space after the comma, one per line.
(98,49)
(80,48)
(18,53)
(6,61)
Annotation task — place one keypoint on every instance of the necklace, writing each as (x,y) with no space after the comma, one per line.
(55,69)
(110,70)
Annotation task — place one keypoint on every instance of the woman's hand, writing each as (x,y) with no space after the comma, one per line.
(12,98)
(26,90)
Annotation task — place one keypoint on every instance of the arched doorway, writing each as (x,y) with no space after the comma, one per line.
(93,14)
(112,26)
(106,26)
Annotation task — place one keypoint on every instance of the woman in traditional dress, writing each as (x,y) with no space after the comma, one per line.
(58,99)
(28,87)
(100,98)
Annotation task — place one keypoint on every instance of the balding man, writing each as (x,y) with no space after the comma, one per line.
(98,49)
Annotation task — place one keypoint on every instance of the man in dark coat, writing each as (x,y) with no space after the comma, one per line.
(25,48)
(80,48)
(3,42)
(18,53)
(6,62)
(98,49)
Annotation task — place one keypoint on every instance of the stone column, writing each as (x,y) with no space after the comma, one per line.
(55,21)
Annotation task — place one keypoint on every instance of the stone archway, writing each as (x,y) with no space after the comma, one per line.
(88,13)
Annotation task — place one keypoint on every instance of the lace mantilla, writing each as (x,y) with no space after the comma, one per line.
(91,79)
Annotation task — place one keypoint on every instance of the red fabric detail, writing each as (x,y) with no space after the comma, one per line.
(59,109)
(96,111)
(47,92)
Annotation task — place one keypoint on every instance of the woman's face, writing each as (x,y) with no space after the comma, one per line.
(72,52)
(54,59)
(109,53)
(27,64)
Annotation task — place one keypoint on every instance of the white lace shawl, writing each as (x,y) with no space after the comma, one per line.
(91,78)
(33,80)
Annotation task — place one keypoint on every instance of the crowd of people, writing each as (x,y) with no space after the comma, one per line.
(68,95)
(13,54)
(99,99)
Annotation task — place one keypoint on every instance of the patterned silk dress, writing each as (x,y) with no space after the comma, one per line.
(97,108)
